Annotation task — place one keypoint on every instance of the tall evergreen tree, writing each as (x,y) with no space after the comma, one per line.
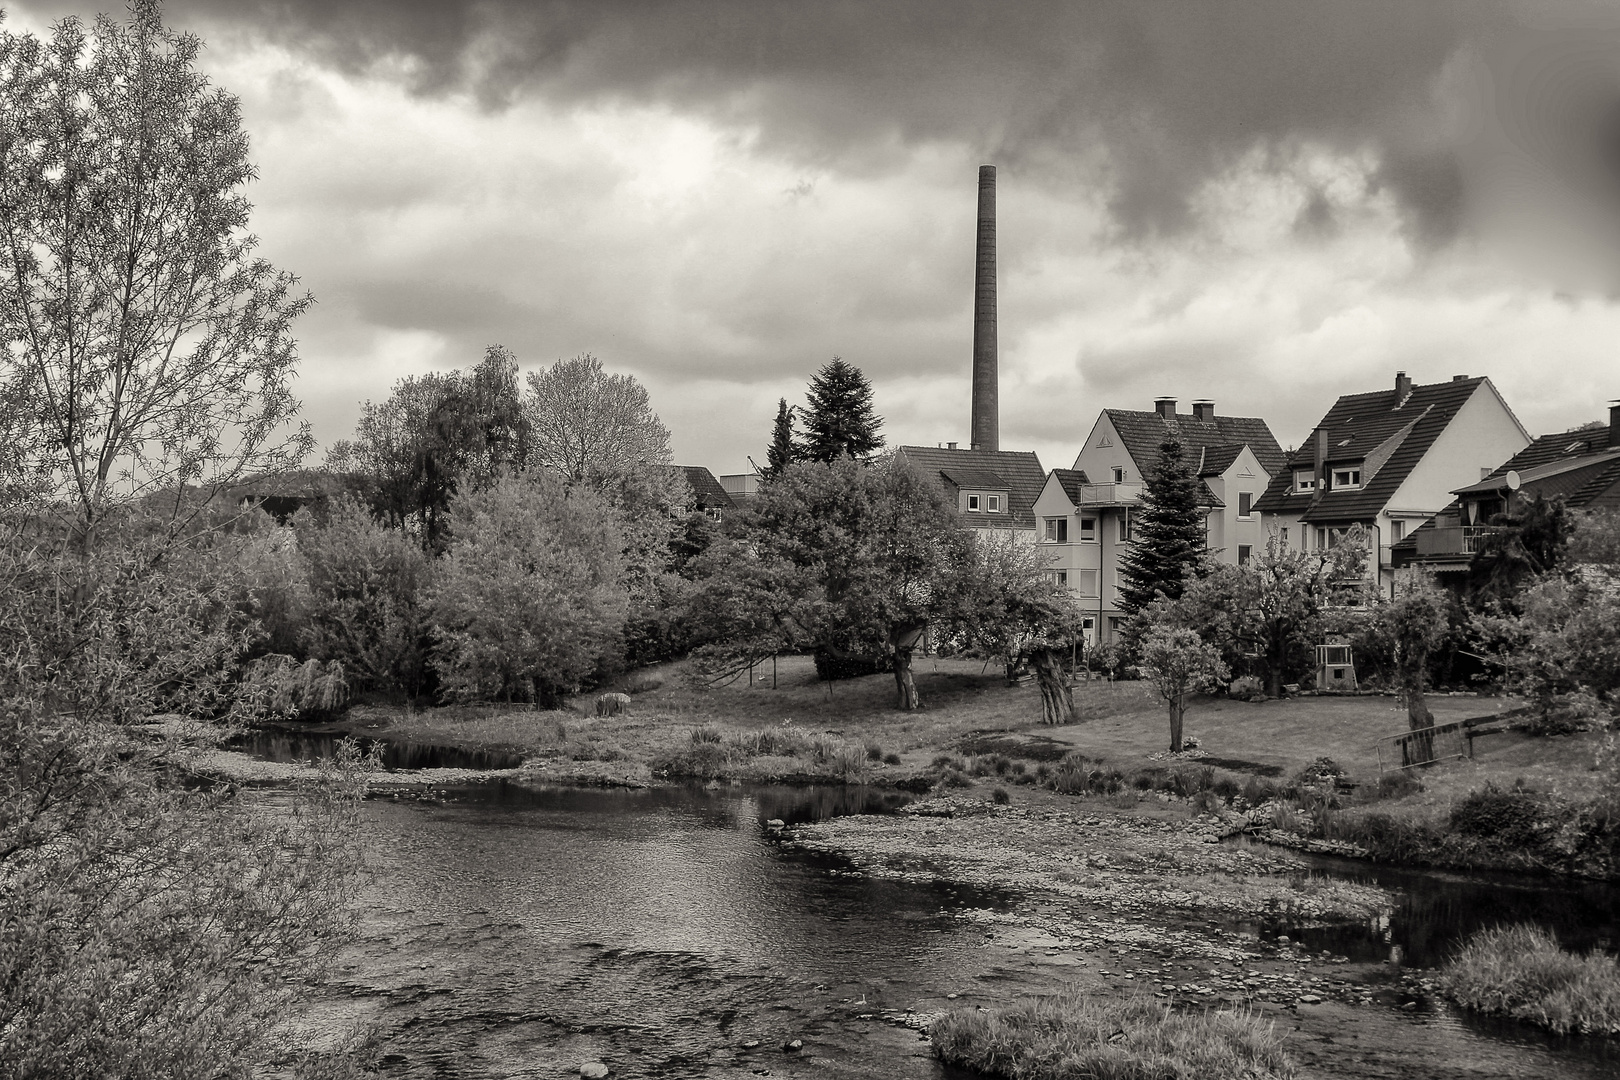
(782,452)
(1169,531)
(839,421)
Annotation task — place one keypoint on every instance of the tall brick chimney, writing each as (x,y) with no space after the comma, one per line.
(1165,407)
(986,428)
(1614,424)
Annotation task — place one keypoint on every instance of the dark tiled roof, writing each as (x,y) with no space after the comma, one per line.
(707,494)
(1072,480)
(1356,426)
(1217,459)
(976,478)
(1020,469)
(1142,432)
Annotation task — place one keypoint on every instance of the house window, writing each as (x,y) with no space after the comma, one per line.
(1304,480)
(1088,583)
(1119,474)
(1088,623)
(1243,554)
(1059,577)
(1088,529)
(1125,525)
(973,504)
(1057,530)
(1282,537)
(995,504)
(1245,504)
(1346,478)
(1327,539)
(1397,529)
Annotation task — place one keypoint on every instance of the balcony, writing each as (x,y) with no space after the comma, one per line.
(1120,494)
(1451,539)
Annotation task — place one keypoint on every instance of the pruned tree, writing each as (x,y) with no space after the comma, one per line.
(1178,663)
(781,453)
(1409,627)
(1168,530)
(839,420)
(151,346)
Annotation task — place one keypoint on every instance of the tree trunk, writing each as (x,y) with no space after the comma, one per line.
(1419,719)
(903,640)
(1177,709)
(1057,700)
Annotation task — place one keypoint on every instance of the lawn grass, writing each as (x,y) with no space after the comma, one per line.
(1072,1036)
(1520,972)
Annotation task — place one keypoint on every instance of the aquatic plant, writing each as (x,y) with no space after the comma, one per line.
(1070,1035)
(1521,972)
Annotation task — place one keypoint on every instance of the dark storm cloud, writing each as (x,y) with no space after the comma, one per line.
(1168,92)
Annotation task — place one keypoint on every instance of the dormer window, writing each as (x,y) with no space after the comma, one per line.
(973,504)
(1304,480)
(994,506)
(1346,478)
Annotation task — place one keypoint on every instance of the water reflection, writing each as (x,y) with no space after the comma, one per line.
(286,744)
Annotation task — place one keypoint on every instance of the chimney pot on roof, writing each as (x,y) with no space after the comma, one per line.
(1165,407)
(1459,378)
(1403,388)
(950,446)
(1204,410)
(1614,424)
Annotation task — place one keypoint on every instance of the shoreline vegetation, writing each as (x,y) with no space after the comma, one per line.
(1521,972)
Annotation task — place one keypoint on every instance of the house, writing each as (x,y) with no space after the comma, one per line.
(1389,460)
(1581,466)
(707,494)
(1084,513)
(741,486)
(992,489)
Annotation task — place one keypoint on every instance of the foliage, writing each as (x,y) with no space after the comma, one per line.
(147,347)
(529,598)
(1179,663)
(839,421)
(1564,642)
(1071,1035)
(781,452)
(1168,528)
(1524,543)
(279,686)
(1520,972)
(1408,628)
(1246,688)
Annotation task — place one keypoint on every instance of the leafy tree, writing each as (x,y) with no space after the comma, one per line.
(781,453)
(1168,528)
(1178,663)
(1527,541)
(1269,609)
(150,346)
(839,421)
(1410,627)
(529,598)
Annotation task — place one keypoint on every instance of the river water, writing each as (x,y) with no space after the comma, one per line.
(511,931)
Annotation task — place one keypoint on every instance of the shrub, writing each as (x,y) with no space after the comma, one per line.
(1257,790)
(1521,972)
(1510,816)
(1225,788)
(891,759)
(701,760)
(845,761)
(643,682)
(1398,785)
(708,733)
(1070,1036)
(1324,770)
(1000,797)
(874,752)
(1246,688)
(771,742)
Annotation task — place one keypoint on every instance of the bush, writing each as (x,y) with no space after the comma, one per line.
(874,752)
(1398,785)
(771,742)
(1324,770)
(702,761)
(708,733)
(1521,972)
(1257,790)
(891,759)
(1072,1036)
(1246,688)
(1000,797)
(1510,816)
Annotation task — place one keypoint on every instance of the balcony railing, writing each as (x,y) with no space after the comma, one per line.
(1119,494)
(1451,539)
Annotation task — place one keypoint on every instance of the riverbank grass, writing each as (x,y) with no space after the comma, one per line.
(1520,972)
(1070,1035)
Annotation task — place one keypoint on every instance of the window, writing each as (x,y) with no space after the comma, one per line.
(973,504)
(1088,623)
(995,504)
(1125,526)
(1245,504)
(1304,480)
(1119,474)
(1330,538)
(1088,583)
(1282,537)
(1088,529)
(1346,478)
(1397,529)
(1057,530)
(1243,554)
(1060,577)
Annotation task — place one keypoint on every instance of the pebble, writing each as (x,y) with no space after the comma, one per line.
(793,1047)
(750,1044)
(593,1069)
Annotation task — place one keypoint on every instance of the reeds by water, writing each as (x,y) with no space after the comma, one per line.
(1522,973)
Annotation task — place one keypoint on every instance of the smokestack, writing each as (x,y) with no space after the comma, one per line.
(986,429)
(1614,424)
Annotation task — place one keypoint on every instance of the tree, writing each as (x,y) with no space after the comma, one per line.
(150,344)
(1168,529)
(1179,663)
(781,453)
(529,598)
(1527,541)
(1270,609)
(1411,625)
(839,421)
(592,427)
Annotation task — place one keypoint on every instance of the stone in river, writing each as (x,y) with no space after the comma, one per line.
(794,1046)
(595,1070)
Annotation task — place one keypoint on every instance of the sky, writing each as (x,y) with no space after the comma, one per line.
(1260,202)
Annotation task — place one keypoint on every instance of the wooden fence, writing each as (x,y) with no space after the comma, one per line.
(1442,742)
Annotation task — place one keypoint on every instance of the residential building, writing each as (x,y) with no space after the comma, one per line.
(1389,460)
(1581,466)
(1084,513)
(991,489)
(741,486)
(707,494)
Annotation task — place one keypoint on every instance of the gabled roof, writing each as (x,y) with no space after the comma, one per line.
(976,478)
(1142,432)
(1019,470)
(707,494)
(1357,425)
(1217,459)
(1072,480)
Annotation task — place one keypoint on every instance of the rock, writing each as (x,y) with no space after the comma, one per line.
(593,1069)
(1310,999)
(793,1047)
(750,1044)
(776,823)
(952,997)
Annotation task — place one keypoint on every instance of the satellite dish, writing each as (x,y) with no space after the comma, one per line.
(1512,480)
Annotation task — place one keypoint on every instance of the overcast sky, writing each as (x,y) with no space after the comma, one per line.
(1264,203)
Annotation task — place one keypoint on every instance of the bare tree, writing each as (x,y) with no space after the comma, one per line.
(150,345)
(591,426)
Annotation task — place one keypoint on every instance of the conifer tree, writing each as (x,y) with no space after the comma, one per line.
(1169,532)
(782,452)
(839,421)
